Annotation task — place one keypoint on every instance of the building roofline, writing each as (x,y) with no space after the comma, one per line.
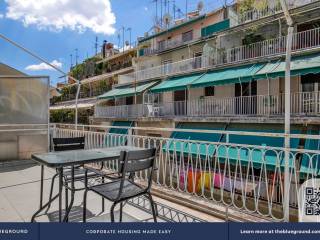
(190,21)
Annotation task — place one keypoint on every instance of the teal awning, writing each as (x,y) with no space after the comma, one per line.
(236,155)
(211,29)
(114,139)
(310,163)
(299,66)
(176,83)
(258,157)
(126,124)
(184,147)
(228,76)
(126,92)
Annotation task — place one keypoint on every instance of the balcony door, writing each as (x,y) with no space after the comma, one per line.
(246,100)
(310,88)
(166,67)
(180,102)
(197,60)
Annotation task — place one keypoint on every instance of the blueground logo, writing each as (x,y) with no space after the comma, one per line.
(12,231)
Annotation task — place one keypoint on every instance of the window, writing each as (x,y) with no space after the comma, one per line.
(161,45)
(209,91)
(310,83)
(187,36)
(129,100)
(197,59)
(166,69)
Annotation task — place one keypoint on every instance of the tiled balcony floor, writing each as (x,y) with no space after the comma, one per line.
(19,199)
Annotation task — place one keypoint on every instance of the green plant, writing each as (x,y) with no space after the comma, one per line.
(252,38)
(260,4)
(68,115)
(98,69)
(246,5)
(104,86)
(85,90)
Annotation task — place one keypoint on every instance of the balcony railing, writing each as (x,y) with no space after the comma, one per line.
(165,45)
(301,41)
(273,7)
(302,103)
(215,171)
(188,65)
(124,111)
(87,90)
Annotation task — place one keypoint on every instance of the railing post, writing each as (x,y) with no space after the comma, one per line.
(130,133)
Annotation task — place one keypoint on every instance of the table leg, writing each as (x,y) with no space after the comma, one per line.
(41,185)
(66,217)
(60,171)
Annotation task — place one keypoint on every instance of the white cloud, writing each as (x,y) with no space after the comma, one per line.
(146,8)
(1,16)
(56,15)
(43,66)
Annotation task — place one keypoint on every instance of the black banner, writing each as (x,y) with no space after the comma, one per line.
(159,231)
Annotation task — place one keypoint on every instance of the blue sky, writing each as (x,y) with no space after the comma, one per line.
(55,43)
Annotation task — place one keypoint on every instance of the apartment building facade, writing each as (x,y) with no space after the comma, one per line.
(97,75)
(224,71)
(183,61)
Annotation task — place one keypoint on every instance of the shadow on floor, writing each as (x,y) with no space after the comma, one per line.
(16,165)
(107,217)
(74,216)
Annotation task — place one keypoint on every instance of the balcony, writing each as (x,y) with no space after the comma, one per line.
(271,9)
(185,66)
(272,47)
(180,160)
(19,198)
(166,45)
(306,40)
(302,104)
(192,170)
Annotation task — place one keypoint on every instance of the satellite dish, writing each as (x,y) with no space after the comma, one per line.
(200,6)
(167,19)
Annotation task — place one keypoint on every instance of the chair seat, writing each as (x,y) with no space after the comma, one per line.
(79,174)
(110,190)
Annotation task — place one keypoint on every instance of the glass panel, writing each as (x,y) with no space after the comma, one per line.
(187,36)
(23,100)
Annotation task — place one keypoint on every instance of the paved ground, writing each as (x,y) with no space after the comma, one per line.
(19,199)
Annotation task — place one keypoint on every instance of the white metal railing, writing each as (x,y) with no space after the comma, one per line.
(237,175)
(256,14)
(184,66)
(124,111)
(166,45)
(302,103)
(301,40)
(273,7)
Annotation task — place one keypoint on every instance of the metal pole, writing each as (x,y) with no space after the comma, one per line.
(123,39)
(287,125)
(286,199)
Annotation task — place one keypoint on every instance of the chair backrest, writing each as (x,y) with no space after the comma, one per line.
(135,161)
(65,144)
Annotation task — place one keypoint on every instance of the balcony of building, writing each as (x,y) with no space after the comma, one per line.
(270,48)
(269,8)
(234,174)
(19,198)
(303,104)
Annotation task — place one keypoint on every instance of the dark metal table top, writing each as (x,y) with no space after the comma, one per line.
(79,157)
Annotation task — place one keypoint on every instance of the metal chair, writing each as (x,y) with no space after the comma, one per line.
(121,190)
(67,144)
